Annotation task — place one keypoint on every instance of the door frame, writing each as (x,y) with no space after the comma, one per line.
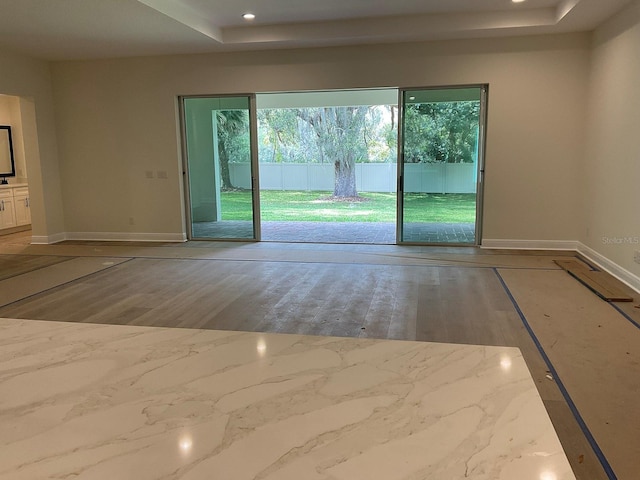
(480,167)
(255,177)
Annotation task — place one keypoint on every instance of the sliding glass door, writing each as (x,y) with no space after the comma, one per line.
(221,165)
(439,170)
(441,143)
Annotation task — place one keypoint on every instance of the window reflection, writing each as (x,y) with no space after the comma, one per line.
(548,475)
(261,347)
(505,363)
(185,444)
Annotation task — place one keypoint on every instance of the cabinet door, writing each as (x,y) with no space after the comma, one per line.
(7,213)
(23,212)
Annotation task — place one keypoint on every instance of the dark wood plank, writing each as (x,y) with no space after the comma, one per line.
(608,284)
(601,283)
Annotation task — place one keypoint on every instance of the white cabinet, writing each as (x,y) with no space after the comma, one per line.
(15,207)
(7,212)
(21,205)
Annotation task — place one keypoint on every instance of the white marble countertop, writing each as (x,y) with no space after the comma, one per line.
(87,401)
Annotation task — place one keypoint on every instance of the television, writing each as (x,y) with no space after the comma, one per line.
(7,163)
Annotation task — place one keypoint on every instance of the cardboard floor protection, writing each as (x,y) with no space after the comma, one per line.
(596,353)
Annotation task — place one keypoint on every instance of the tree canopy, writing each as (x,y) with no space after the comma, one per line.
(441,132)
(233,141)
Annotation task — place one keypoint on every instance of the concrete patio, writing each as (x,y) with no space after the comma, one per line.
(339,232)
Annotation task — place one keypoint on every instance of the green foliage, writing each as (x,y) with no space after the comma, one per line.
(316,135)
(233,133)
(233,141)
(434,132)
(441,132)
(339,136)
(338,132)
(278,134)
(342,136)
(381,134)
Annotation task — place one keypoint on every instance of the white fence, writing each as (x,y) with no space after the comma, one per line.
(370,177)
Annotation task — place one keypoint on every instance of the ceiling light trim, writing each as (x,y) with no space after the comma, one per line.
(564,8)
(412,27)
(185,15)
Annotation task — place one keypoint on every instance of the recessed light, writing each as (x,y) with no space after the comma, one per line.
(248,16)
(518,1)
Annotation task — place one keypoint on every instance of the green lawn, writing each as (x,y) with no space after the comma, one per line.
(296,206)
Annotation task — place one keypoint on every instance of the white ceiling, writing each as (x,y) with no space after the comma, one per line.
(83,29)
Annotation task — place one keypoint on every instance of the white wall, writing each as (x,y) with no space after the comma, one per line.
(117,119)
(30,80)
(611,197)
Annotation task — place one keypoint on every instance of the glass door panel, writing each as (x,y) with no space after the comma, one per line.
(219,136)
(441,143)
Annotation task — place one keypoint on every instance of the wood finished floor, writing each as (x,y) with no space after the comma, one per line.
(409,293)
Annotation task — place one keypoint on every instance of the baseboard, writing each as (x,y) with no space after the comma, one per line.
(126,237)
(48,239)
(588,253)
(507,244)
(602,262)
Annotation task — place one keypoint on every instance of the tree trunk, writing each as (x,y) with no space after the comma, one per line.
(224,167)
(339,133)
(345,180)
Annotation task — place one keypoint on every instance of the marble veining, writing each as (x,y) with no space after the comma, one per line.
(85,401)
